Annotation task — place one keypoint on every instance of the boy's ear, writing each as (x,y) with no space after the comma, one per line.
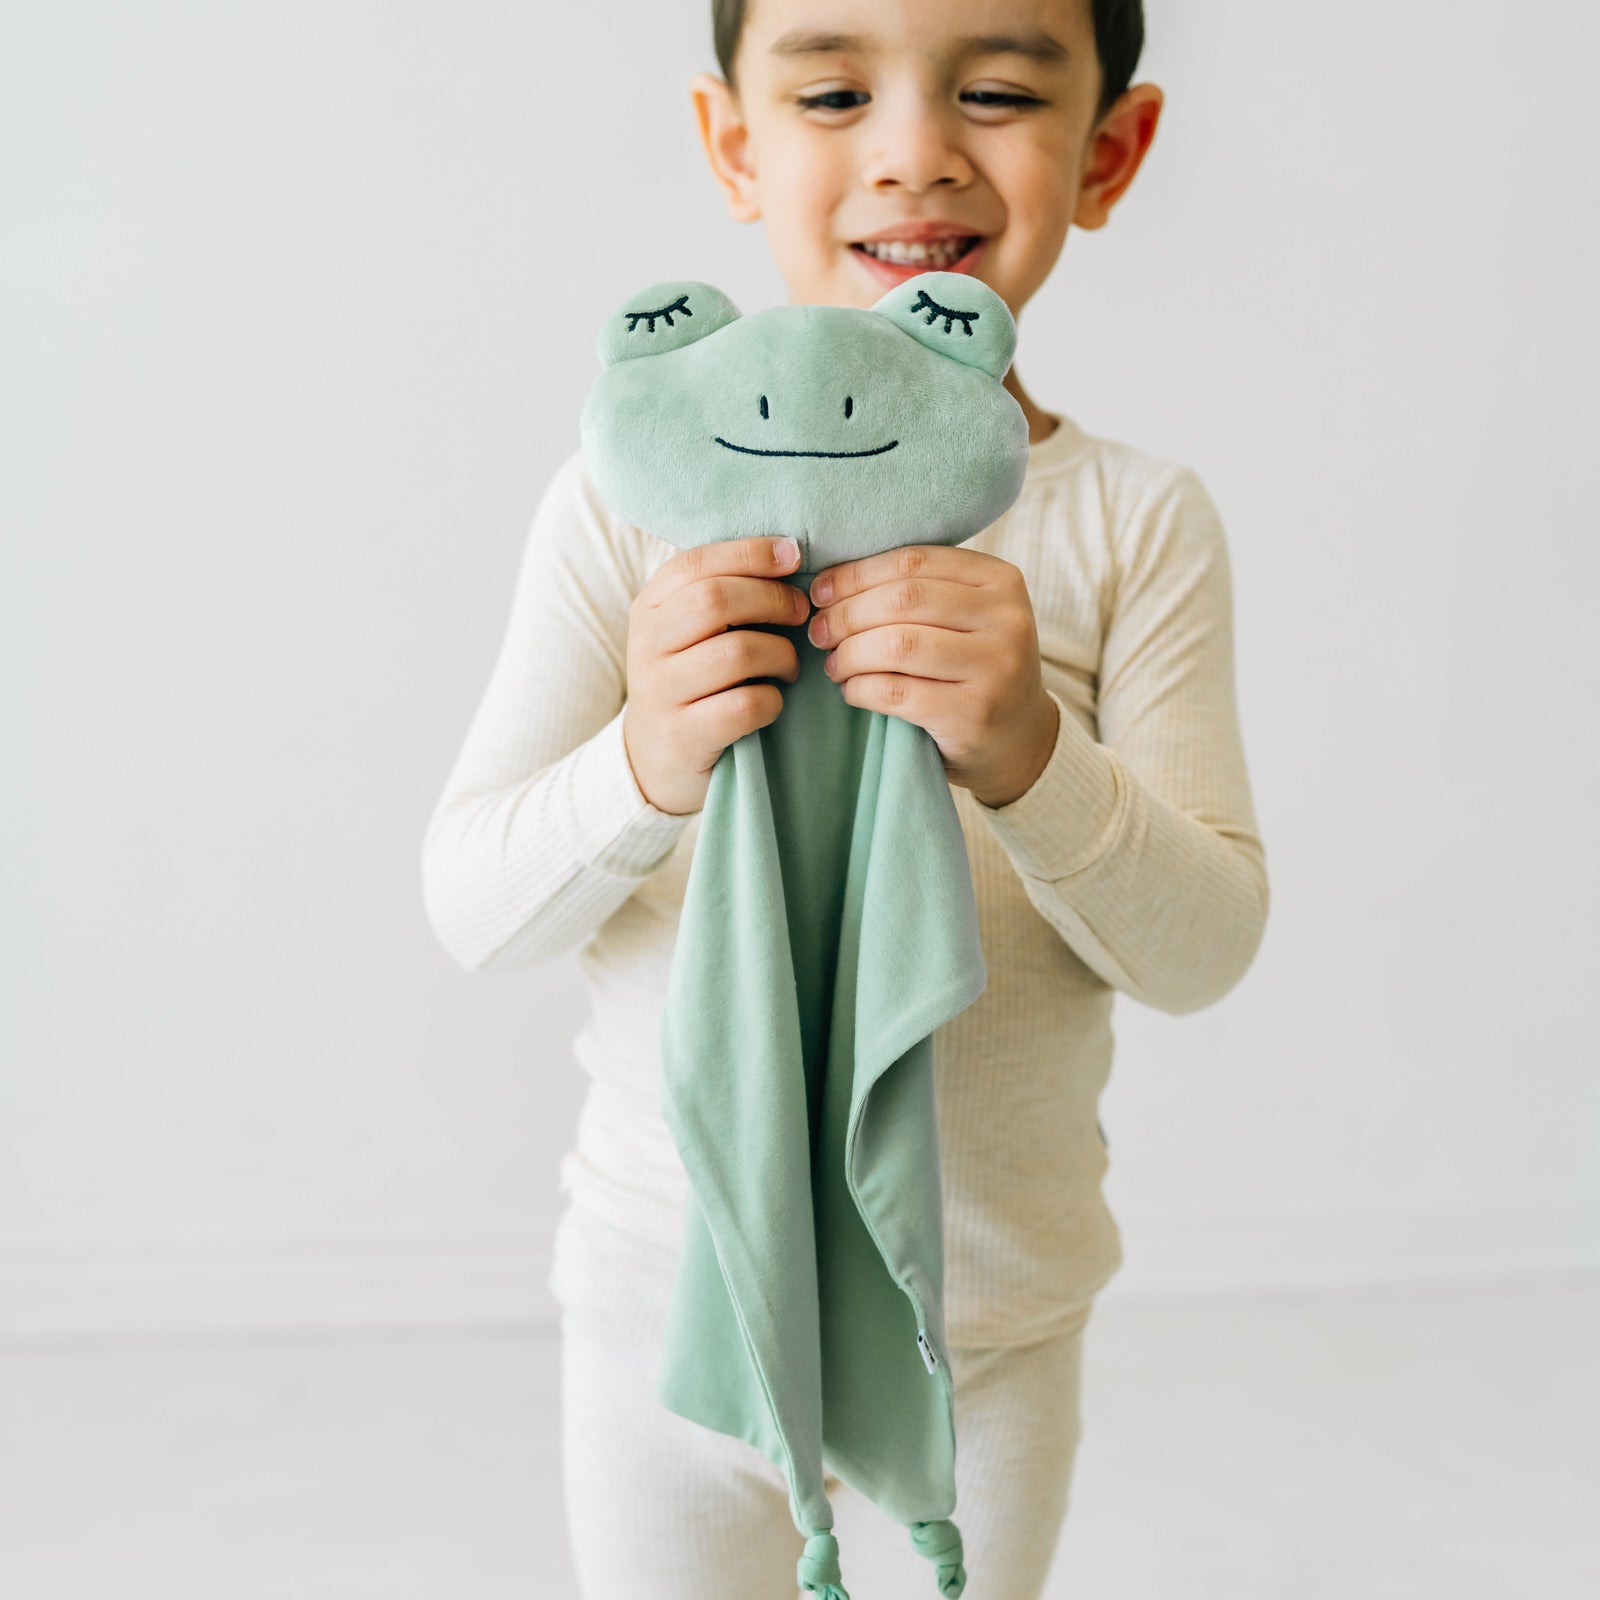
(956,314)
(663,316)
(1116,151)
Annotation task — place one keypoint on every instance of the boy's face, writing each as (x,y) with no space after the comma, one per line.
(855,118)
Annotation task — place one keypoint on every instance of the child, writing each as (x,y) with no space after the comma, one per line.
(1074,663)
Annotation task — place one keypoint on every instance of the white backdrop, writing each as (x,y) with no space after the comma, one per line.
(298,307)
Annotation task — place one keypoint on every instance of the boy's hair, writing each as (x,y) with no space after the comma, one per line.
(1118,41)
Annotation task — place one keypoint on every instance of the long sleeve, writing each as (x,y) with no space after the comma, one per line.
(1141,847)
(542,831)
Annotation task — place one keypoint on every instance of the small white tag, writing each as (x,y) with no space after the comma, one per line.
(929,1359)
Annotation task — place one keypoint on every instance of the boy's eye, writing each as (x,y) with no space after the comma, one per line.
(994,97)
(811,101)
(984,97)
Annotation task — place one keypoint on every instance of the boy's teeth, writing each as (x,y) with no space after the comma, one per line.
(941,251)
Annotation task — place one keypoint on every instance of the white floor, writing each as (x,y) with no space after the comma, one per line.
(1384,1447)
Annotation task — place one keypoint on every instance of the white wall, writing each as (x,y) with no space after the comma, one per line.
(298,306)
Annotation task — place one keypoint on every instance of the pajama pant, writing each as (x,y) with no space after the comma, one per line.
(658,1506)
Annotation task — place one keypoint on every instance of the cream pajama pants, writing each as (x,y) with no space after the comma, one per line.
(661,1507)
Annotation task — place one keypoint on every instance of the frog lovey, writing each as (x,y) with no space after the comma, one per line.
(828,924)
(851,431)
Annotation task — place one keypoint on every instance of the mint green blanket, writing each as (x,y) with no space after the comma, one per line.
(828,924)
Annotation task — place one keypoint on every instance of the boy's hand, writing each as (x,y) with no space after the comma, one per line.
(695,645)
(943,637)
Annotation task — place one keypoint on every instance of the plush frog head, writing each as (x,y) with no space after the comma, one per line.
(853,431)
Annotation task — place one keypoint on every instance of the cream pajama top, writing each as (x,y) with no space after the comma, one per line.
(1134,861)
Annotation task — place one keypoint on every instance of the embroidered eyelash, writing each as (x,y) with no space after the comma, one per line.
(680,304)
(935,311)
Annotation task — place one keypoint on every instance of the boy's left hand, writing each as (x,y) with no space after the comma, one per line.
(943,637)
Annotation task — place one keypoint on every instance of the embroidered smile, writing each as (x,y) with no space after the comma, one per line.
(745,449)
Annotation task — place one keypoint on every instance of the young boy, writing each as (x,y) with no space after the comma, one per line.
(1074,663)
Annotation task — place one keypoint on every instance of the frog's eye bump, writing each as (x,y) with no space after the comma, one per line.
(681,304)
(935,311)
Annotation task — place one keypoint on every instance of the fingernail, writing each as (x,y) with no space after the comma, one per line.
(787,552)
(822,590)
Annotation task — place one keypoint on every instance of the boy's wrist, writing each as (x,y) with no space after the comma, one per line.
(1038,744)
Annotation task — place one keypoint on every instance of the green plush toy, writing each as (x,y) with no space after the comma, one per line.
(828,925)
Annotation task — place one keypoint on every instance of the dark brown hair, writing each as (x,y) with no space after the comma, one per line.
(1118,41)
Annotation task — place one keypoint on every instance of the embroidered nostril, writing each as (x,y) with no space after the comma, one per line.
(847,405)
(763,406)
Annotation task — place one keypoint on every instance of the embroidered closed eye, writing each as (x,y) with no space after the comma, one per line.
(681,304)
(935,311)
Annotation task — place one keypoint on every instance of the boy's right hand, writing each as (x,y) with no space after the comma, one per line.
(688,658)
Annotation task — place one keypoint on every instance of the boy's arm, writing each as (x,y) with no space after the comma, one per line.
(1141,849)
(542,831)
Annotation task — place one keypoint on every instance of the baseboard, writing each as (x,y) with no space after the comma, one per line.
(469,1283)
(248,1288)
(1218,1254)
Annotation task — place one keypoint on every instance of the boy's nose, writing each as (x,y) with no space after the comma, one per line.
(914,151)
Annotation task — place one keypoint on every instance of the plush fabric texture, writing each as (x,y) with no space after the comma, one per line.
(828,925)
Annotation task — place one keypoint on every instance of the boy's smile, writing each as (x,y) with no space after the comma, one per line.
(897,253)
(881,138)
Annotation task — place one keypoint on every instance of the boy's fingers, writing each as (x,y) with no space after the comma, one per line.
(750,558)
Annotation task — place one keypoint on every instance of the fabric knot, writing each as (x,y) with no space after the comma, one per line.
(818,1568)
(941,1542)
